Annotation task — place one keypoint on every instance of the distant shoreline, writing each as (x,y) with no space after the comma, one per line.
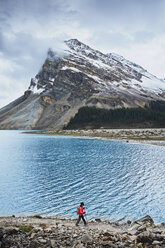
(153,136)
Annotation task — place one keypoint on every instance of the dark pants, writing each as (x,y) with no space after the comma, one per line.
(79,218)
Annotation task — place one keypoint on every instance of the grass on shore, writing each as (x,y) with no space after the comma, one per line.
(25,228)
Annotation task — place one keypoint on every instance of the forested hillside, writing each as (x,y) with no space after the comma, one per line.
(92,117)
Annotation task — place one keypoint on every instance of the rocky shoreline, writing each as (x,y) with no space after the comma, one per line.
(154,136)
(41,232)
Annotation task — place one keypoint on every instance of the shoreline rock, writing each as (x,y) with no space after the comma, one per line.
(50,233)
(152,136)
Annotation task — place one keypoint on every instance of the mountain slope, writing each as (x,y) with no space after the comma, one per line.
(80,76)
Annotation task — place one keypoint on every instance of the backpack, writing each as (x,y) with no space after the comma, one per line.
(78,210)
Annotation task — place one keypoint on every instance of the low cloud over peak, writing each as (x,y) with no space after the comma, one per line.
(134,29)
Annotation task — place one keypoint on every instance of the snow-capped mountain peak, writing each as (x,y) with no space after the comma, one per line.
(107,71)
(78,75)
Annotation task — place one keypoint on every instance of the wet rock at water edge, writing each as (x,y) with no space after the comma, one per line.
(98,220)
(145,220)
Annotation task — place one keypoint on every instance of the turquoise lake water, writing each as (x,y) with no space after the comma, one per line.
(51,175)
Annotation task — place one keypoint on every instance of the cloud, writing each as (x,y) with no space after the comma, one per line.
(143,37)
(148,54)
(125,15)
(28,28)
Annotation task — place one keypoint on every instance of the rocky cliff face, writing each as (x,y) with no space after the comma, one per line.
(80,76)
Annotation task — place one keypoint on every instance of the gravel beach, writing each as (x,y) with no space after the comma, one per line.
(52,232)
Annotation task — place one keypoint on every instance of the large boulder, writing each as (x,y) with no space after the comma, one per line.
(86,239)
(146,220)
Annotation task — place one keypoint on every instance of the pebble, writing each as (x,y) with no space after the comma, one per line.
(32,235)
(43,241)
(53,243)
(79,237)
(156,242)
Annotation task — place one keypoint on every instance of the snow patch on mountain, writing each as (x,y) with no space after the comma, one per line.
(114,63)
(126,62)
(35,86)
(152,83)
(70,68)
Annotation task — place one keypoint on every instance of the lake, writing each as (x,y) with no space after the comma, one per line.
(51,175)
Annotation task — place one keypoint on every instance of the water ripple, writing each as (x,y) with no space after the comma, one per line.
(52,175)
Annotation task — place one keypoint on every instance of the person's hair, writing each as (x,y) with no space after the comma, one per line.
(81,204)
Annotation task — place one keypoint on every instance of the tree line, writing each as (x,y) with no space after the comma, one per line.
(152,115)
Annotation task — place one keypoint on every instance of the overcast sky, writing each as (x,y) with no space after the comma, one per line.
(132,28)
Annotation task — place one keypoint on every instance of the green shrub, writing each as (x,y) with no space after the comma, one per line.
(37,216)
(25,228)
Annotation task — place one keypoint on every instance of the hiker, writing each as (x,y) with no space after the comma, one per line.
(80,212)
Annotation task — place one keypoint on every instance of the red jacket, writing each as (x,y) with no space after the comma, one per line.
(80,211)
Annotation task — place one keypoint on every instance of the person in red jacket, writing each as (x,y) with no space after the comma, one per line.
(80,212)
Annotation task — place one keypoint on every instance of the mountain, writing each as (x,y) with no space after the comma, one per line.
(79,76)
